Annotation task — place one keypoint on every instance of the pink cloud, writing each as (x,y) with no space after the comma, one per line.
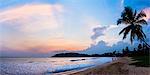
(147,11)
(33,18)
(43,46)
(31,21)
(29,10)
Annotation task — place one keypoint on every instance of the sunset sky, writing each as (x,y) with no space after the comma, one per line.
(47,26)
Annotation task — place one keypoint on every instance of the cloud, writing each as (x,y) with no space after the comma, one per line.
(102,47)
(99,31)
(25,23)
(122,3)
(147,12)
(35,28)
(106,33)
(33,17)
(14,53)
(41,46)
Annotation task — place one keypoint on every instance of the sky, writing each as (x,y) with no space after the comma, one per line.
(44,27)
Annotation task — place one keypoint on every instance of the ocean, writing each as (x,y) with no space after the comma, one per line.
(48,66)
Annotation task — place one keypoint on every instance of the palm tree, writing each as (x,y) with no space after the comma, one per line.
(133,22)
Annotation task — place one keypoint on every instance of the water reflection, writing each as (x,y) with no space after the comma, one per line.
(47,65)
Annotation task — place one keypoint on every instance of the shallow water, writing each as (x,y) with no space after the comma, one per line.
(44,66)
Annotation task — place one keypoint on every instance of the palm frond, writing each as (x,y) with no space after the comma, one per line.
(135,12)
(119,21)
(125,31)
(141,15)
(132,35)
(133,22)
(122,31)
(128,12)
(127,16)
(143,22)
(144,35)
(140,35)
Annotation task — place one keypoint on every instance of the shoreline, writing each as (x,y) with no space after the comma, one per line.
(72,72)
(117,67)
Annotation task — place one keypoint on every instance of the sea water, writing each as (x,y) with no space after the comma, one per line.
(47,66)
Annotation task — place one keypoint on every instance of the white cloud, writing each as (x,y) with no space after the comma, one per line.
(108,34)
(122,3)
(102,47)
(99,31)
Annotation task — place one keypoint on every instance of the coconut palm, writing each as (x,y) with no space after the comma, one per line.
(133,22)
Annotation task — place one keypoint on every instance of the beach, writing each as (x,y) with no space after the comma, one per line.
(117,67)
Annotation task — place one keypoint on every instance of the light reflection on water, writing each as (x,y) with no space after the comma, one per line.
(47,65)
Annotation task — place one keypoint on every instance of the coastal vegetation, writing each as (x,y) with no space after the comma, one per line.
(142,50)
(134,22)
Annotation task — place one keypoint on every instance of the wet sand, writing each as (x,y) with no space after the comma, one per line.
(117,67)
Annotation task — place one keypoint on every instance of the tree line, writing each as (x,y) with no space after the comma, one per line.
(141,50)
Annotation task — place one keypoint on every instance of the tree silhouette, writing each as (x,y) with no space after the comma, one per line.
(133,22)
(139,46)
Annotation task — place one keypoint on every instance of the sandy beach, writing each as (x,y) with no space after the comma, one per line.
(117,67)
